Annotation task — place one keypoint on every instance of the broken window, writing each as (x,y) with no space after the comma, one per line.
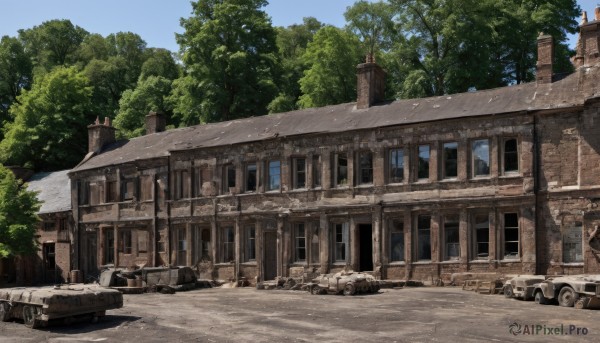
(510,156)
(451,237)
(450,159)
(228,179)
(109,246)
(274,175)
(341,249)
(316,170)
(251,177)
(49,256)
(511,236)
(182,184)
(340,175)
(228,244)
(299,175)
(300,242)
(111,191)
(125,241)
(481,157)
(314,244)
(423,165)
(180,239)
(423,238)
(127,189)
(572,244)
(365,168)
(482,237)
(251,243)
(396,166)
(49,226)
(396,241)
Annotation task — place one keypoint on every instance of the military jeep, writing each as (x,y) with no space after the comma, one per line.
(347,283)
(580,291)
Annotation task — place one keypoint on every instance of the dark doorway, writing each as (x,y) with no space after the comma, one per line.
(92,257)
(365,242)
(270,253)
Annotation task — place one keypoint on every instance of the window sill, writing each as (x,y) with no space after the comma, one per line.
(423,262)
(224,264)
(395,184)
(422,181)
(397,263)
(510,260)
(340,263)
(450,262)
(481,178)
(480,261)
(249,263)
(567,264)
(365,185)
(450,179)
(510,175)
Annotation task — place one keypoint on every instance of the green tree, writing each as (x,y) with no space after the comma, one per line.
(291,43)
(49,131)
(331,77)
(109,81)
(150,94)
(186,100)
(53,43)
(18,219)
(373,23)
(159,62)
(229,48)
(15,73)
(132,48)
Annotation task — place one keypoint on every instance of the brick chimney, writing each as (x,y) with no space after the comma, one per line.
(545,57)
(588,44)
(370,83)
(100,135)
(155,122)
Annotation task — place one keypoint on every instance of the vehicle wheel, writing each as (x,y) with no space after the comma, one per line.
(4,311)
(349,289)
(315,290)
(540,298)
(29,314)
(567,297)
(508,291)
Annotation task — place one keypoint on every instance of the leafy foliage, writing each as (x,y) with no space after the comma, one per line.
(331,77)
(15,73)
(18,219)
(229,48)
(50,121)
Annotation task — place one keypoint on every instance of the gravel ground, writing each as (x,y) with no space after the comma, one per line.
(393,315)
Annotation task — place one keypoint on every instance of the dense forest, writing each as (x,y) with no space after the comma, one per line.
(56,78)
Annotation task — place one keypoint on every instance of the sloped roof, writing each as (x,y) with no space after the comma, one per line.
(54,191)
(570,91)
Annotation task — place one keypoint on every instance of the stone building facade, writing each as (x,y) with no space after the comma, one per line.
(502,180)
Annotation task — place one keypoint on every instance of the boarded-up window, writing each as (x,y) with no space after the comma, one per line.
(572,244)
(142,240)
(146,183)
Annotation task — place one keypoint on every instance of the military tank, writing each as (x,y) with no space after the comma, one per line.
(38,305)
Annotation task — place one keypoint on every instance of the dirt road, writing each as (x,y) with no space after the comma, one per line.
(246,314)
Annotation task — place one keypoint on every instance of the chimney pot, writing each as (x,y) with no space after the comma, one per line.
(545,57)
(97,122)
(370,83)
(597,13)
(106,121)
(584,18)
(155,122)
(100,135)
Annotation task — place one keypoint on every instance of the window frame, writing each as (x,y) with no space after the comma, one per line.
(300,234)
(337,182)
(364,170)
(296,172)
(445,220)
(575,230)
(504,172)
(419,164)
(316,171)
(474,173)
(475,229)
(390,169)
(124,193)
(227,181)
(111,189)
(227,247)
(504,255)
(392,231)
(247,177)
(250,251)
(344,243)
(446,160)
(270,175)
(125,236)
(418,230)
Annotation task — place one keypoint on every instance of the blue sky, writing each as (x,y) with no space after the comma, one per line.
(157,20)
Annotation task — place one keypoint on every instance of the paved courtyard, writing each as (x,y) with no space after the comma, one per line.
(393,315)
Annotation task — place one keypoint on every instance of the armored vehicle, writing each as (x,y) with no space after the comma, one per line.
(581,291)
(522,286)
(347,283)
(37,305)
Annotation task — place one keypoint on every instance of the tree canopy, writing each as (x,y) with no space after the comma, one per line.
(18,219)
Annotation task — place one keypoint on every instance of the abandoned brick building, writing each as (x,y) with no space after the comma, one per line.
(503,180)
